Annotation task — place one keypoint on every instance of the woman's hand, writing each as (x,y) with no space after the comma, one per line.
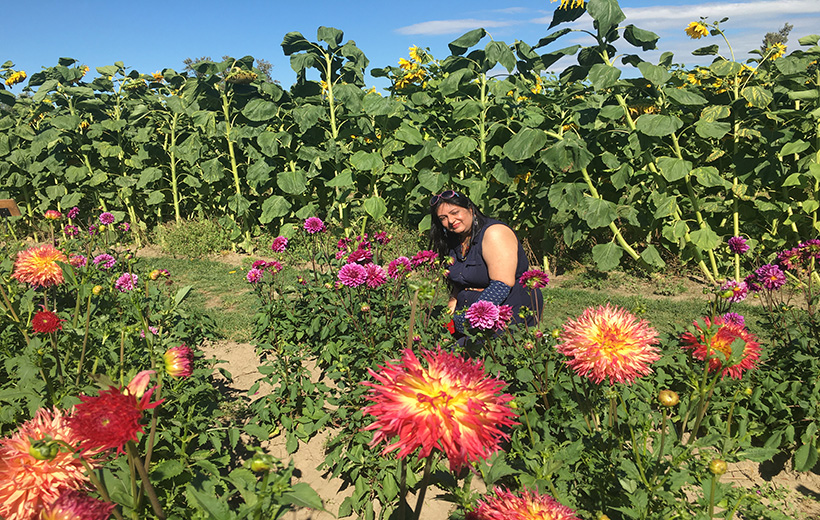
(500,252)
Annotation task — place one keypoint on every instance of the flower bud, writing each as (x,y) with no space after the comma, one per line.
(97,290)
(365,308)
(261,463)
(668,398)
(748,391)
(43,449)
(539,334)
(556,333)
(416,339)
(529,345)
(102,227)
(718,467)
(154,274)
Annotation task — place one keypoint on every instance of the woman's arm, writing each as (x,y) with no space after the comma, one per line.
(500,252)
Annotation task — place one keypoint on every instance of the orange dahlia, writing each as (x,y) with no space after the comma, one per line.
(718,336)
(38,266)
(30,478)
(609,343)
(112,418)
(529,505)
(451,405)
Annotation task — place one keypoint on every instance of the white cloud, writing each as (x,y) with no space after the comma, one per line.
(450,26)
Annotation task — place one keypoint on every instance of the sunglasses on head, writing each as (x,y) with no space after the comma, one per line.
(444,195)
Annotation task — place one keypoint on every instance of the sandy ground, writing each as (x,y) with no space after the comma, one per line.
(798,493)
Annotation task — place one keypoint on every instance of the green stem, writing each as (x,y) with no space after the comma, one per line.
(615,231)
(99,485)
(172,153)
(131,448)
(85,340)
(425,481)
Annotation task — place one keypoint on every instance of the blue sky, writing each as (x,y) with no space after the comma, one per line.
(151,35)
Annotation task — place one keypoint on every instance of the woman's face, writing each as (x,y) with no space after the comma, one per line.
(455,219)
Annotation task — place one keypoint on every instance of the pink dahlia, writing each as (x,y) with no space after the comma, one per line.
(105,261)
(352,275)
(734,291)
(425,257)
(73,212)
(450,405)
(179,361)
(609,343)
(126,282)
(738,245)
(382,238)
(505,314)
(719,337)
(77,260)
(279,244)
(360,256)
(534,279)
(254,275)
(106,218)
(38,266)
(482,315)
(399,267)
(314,225)
(376,276)
(75,505)
(529,505)
(771,277)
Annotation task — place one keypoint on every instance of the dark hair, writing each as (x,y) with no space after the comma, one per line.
(440,242)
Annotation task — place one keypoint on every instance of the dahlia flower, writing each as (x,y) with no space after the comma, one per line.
(126,282)
(529,505)
(45,322)
(789,259)
(609,343)
(734,317)
(75,505)
(279,244)
(314,225)
(771,276)
(77,261)
(179,361)
(38,266)
(426,257)
(382,238)
(360,256)
(112,418)
(352,275)
(505,314)
(53,214)
(254,275)
(29,482)
(482,315)
(738,245)
(534,279)
(106,218)
(809,249)
(73,212)
(376,276)
(719,337)
(71,231)
(450,405)
(399,267)
(105,261)
(735,291)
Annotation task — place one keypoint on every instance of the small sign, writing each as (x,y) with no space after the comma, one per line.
(8,208)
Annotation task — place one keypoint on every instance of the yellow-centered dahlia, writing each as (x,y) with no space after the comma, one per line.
(697,30)
(529,505)
(718,336)
(609,343)
(33,469)
(450,405)
(38,266)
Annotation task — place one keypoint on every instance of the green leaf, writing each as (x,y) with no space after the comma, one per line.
(302,495)
(598,212)
(674,169)
(259,110)
(811,39)
(567,155)
(805,458)
(709,130)
(268,143)
(366,161)
(181,293)
(375,207)
(709,50)
(705,239)
(292,182)
(603,76)
(166,469)
(646,40)
(709,177)
(330,35)
(307,116)
(607,256)
(274,206)
(560,15)
(524,375)
(654,73)
(499,52)
(546,40)
(432,181)
(651,256)
(714,112)
(409,134)
(757,96)
(804,94)
(215,508)
(465,41)
(684,97)
(658,125)
(548,59)
(524,144)
(294,42)
(459,147)
(260,432)
(343,179)
(607,13)
(725,68)
(794,147)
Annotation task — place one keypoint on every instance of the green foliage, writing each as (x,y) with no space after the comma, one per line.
(192,238)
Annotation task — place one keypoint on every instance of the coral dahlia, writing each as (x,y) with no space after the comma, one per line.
(38,266)
(376,276)
(28,482)
(608,342)
(112,418)
(450,405)
(179,361)
(718,337)
(529,505)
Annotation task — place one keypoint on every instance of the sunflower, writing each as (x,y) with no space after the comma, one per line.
(697,30)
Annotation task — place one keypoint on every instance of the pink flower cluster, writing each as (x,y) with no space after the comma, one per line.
(354,275)
(424,258)
(106,218)
(314,225)
(399,268)
(769,277)
(484,315)
(534,279)
(126,283)
(279,244)
(104,261)
(734,291)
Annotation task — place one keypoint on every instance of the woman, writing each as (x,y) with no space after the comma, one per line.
(488,258)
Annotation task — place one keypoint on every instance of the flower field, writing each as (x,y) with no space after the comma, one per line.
(109,406)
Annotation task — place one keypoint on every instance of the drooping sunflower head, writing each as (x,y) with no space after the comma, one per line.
(697,30)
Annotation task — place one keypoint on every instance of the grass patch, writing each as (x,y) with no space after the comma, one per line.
(220,291)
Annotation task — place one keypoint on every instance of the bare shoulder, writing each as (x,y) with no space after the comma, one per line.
(499,234)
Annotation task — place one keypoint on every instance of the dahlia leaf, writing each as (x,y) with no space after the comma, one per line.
(302,495)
